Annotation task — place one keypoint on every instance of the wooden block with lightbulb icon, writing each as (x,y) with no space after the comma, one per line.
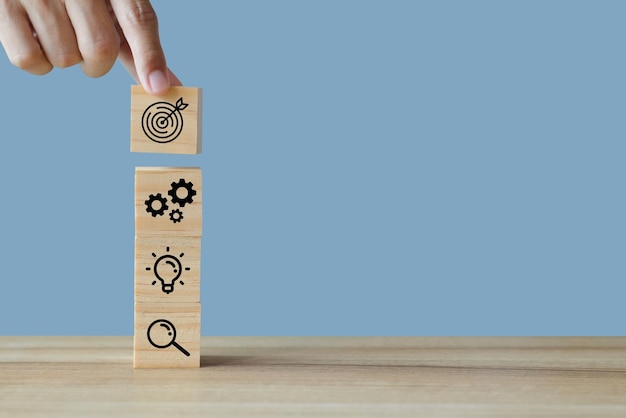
(167,269)
(168,201)
(167,335)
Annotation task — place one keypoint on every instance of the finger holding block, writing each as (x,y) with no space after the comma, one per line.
(168,124)
(168,201)
(167,335)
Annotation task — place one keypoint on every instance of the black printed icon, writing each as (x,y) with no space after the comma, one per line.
(167,269)
(176,216)
(162,334)
(182,198)
(156,205)
(162,122)
(181,194)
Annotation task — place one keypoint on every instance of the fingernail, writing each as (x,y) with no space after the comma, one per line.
(158,82)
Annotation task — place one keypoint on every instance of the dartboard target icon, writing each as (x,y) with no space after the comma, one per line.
(162,122)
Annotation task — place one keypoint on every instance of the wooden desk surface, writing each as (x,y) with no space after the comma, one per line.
(339,377)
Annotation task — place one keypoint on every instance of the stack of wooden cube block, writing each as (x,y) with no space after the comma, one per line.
(168,230)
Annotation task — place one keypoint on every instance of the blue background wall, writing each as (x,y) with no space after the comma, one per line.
(370,168)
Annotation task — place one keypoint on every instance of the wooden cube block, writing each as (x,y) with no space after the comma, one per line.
(168,124)
(168,201)
(167,269)
(167,335)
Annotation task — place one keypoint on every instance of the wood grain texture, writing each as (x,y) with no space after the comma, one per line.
(334,377)
(153,184)
(167,335)
(167,269)
(166,124)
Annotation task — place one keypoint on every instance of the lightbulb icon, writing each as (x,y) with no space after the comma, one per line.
(167,269)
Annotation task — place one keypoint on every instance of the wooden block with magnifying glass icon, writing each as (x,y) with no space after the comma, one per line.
(167,124)
(167,335)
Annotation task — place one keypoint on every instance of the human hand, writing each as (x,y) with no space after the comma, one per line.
(39,35)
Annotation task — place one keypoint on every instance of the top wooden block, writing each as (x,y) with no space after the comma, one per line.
(167,124)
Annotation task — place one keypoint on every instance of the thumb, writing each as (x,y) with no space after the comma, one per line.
(141,49)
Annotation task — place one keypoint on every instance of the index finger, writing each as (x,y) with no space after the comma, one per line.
(127,60)
(139,24)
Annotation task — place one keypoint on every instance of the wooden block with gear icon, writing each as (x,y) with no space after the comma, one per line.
(167,124)
(167,335)
(167,269)
(168,201)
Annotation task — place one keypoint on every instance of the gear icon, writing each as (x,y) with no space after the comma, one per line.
(187,198)
(176,216)
(160,209)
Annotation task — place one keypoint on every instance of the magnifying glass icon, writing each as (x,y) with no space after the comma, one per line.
(162,334)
